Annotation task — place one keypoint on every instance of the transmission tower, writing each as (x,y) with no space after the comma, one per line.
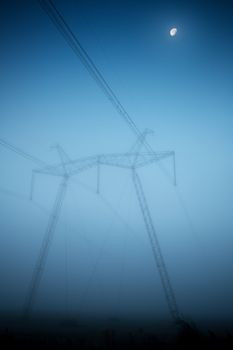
(132,160)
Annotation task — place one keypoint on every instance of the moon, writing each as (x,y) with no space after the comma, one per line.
(173,31)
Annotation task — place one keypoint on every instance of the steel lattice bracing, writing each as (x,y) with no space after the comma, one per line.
(44,250)
(168,290)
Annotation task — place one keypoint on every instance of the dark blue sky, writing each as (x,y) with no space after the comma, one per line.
(181,88)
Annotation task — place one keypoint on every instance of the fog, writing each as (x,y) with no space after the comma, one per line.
(100,262)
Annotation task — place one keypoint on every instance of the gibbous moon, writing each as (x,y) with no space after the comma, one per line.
(173,31)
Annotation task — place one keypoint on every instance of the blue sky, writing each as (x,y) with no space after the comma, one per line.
(181,88)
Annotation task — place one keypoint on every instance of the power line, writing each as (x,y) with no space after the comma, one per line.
(51,10)
(22,153)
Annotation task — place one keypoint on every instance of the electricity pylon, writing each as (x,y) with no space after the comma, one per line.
(129,161)
(67,168)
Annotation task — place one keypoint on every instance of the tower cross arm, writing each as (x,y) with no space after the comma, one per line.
(129,160)
(122,160)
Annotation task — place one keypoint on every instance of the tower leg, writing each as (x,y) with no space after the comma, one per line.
(44,249)
(167,287)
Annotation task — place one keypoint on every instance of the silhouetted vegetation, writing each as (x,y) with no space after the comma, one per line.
(189,337)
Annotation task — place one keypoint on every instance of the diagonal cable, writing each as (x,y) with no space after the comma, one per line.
(22,153)
(51,10)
